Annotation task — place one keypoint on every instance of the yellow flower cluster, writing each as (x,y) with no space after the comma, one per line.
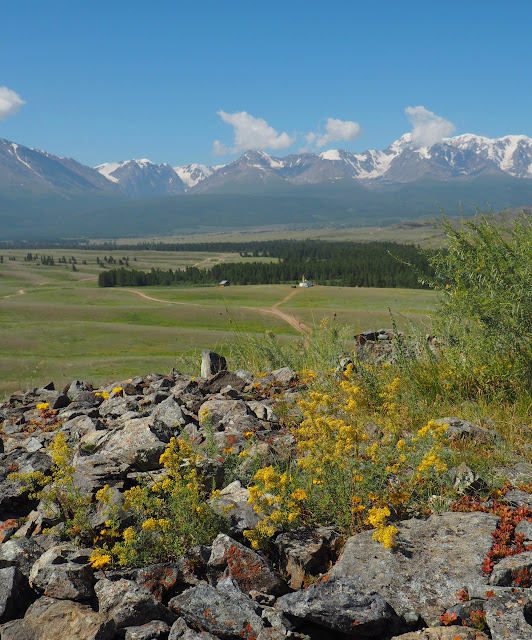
(273,498)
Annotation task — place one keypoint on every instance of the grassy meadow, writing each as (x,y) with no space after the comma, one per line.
(57,324)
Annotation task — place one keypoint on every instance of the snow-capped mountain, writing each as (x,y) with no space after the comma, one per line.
(459,158)
(24,169)
(143,178)
(194,173)
(402,162)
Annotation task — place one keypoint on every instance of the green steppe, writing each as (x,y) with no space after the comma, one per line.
(57,324)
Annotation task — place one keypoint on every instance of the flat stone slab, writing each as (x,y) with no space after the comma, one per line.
(433,560)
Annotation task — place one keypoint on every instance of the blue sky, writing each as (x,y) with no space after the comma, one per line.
(109,81)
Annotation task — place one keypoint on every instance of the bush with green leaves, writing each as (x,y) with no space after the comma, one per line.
(484,317)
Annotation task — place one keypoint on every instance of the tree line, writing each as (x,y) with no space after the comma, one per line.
(347,264)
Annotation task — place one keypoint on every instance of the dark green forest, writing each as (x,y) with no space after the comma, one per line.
(346,264)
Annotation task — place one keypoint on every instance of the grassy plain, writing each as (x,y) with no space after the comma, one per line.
(57,324)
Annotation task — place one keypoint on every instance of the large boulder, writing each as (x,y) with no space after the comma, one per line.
(509,615)
(129,604)
(14,593)
(48,618)
(138,443)
(433,560)
(342,606)
(208,609)
(64,572)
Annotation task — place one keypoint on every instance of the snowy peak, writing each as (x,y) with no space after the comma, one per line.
(193,173)
(143,178)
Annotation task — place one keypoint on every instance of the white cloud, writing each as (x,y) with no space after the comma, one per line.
(336,131)
(250,133)
(10,102)
(427,127)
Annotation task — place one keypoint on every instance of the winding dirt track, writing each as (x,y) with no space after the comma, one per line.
(301,327)
(20,292)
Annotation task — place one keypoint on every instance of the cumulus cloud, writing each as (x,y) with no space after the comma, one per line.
(335,131)
(250,133)
(10,103)
(427,127)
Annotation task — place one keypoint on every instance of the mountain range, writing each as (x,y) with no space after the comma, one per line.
(402,181)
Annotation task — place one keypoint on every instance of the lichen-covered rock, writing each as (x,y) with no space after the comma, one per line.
(48,619)
(508,569)
(63,572)
(169,413)
(223,415)
(434,559)
(137,443)
(21,553)
(341,605)
(459,428)
(155,630)
(14,593)
(444,633)
(517,498)
(509,616)
(181,631)
(233,504)
(305,551)
(204,607)
(246,567)
(129,604)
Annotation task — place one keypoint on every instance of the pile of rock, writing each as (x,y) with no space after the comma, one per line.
(48,588)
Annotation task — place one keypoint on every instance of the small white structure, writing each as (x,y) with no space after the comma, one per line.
(305,283)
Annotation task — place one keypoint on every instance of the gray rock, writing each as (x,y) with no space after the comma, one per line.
(63,572)
(524,528)
(246,567)
(233,504)
(517,474)
(21,553)
(136,444)
(116,406)
(169,413)
(434,559)
(181,631)
(77,387)
(283,376)
(517,498)
(129,604)
(263,411)
(91,473)
(444,633)
(227,414)
(223,381)
(48,618)
(149,631)
(14,593)
(459,428)
(211,363)
(206,608)
(342,606)
(305,551)
(508,569)
(465,480)
(508,616)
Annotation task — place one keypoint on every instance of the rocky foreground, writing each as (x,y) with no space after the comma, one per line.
(311,586)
